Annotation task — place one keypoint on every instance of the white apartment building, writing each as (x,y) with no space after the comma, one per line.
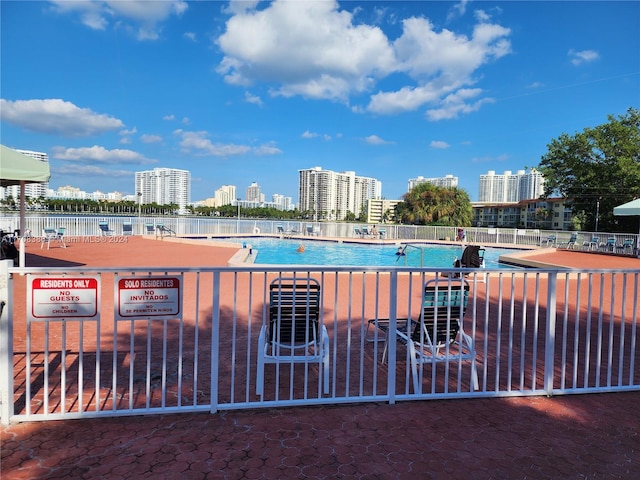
(31,190)
(330,195)
(164,186)
(448,181)
(225,195)
(381,210)
(510,187)
(281,202)
(253,194)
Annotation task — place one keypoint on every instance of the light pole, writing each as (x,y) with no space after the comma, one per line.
(139,211)
(238,222)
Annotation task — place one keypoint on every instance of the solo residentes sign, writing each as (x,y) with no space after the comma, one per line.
(152,296)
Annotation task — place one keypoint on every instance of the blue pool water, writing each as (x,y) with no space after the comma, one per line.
(277,251)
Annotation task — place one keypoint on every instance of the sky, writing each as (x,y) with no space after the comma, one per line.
(254,91)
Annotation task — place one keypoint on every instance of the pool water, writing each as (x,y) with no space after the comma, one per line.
(276,251)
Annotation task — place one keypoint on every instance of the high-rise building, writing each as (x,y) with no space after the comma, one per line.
(225,195)
(281,202)
(31,190)
(329,195)
(165,186)
(254,195)
(448,181)
(510,187)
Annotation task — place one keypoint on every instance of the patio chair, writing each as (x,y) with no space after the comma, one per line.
(280,229)
(549,241)
(365,232)
(104,229)
(569,244)
(309,229)
(609,245)
(357,232)
(49,234)
(293,333)
(591,244)
(163,231)
(150,228)
(472,257)
(438,335)
(127,228)
(628,244)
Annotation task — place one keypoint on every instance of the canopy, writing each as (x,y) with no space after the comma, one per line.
(629,208)
(16,167)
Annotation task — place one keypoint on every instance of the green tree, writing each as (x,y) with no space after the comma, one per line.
(597,170)
(427,204)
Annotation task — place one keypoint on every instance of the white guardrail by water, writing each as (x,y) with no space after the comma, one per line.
(210,226)
(141,341)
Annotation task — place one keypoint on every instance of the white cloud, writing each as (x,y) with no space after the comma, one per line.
(317,50)
(375,140)
(311,49)
(252,99)
(169,117)
(583,56)
(56,117)
(308,134)
(439,144)
(89,171)
(199,143)
(458,103)
(145,15)
(147,138)
(457,10)
(98,154)
(191,36)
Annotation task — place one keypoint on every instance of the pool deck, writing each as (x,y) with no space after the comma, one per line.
(569,437)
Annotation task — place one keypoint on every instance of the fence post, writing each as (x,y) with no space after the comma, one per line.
(550,334)
(215,342)
(391,336)
(6,343)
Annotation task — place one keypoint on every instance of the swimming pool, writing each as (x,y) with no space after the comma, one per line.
(277,251)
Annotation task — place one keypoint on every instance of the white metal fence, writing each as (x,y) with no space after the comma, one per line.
(537,332)
(210,226)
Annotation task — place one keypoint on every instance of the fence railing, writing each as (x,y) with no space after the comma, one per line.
(91,343)
(208,226)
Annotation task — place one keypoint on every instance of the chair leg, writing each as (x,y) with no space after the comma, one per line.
(325,361)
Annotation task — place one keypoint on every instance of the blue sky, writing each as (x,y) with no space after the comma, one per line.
(242,92)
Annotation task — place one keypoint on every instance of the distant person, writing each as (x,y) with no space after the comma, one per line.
(461,235)
(300,248)
(374,231)
(400,251)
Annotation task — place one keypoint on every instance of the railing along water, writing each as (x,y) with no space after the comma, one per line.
(161,340)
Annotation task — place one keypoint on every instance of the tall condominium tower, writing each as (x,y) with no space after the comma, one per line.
(510,187)
(448,181)
(331,195)
(225,195)
(164,186)
(253,193)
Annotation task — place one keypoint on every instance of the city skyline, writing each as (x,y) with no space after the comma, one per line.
(242,92)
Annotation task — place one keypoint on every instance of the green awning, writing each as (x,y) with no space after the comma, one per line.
(16,167)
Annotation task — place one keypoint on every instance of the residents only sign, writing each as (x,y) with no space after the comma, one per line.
(155,296)
(63,297)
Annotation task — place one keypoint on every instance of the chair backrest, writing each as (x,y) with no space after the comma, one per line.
(280,228)
(150,227)
(127,227)
(443,305)
(104,226)
(61,231)
(294,309)
(309,228)
(47,231)
(472,256)
(611,241)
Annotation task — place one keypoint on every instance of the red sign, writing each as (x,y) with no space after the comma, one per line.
(63,297)
(148,297)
